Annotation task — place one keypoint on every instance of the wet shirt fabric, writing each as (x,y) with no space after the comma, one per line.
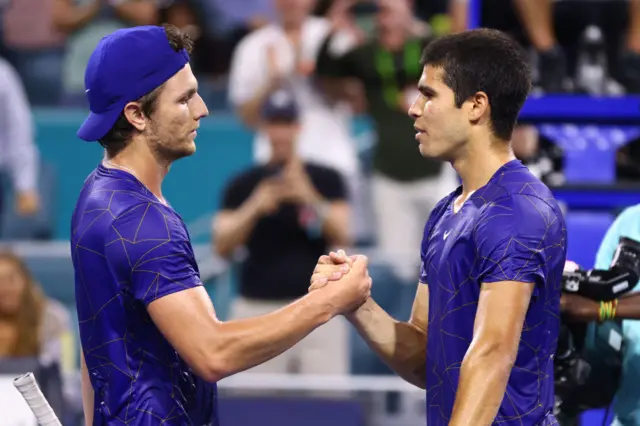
(128,250)
(511,229)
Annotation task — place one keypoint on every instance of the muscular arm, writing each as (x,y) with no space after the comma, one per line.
(486,367)
(87,392)
(401,345)
(216,349)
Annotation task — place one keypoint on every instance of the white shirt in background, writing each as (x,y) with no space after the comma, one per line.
(325,136)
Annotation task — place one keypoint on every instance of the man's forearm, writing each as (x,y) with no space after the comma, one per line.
(629,307)
(86,392)
(138,12)
(245,343)
(483,380)
(250,111)
(335,224)
(401,345)
(233,230)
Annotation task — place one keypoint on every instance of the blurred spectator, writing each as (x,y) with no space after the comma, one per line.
(405,186)
(87,22)
(287,213)
(284,55)
(32,326)
(626,405)
(35,48)
(239,18)
(19,153)
(564,34)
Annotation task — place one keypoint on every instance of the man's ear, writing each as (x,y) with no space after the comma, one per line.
(135,116)
(479,106)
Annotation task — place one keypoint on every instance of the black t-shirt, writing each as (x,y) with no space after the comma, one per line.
(282,253)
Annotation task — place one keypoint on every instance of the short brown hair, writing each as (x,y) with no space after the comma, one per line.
(120,134)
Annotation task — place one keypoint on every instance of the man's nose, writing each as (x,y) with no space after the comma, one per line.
(415,110)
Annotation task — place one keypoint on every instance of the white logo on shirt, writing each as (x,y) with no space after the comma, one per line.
(446,234)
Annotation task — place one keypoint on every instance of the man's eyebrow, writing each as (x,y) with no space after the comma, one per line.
(426,90)
(189,93)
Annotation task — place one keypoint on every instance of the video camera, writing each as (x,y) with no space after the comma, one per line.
(588,361)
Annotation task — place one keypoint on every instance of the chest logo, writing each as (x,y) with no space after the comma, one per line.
(446,234)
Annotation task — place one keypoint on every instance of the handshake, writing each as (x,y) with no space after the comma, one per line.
(343,280)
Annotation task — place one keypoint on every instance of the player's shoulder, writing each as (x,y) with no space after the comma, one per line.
(516,187)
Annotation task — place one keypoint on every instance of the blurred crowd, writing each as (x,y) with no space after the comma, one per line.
(295,72)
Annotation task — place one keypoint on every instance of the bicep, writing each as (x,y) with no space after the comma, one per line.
(420,309)
(185,319)
(502,308)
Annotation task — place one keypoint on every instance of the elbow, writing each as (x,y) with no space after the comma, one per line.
(216,369)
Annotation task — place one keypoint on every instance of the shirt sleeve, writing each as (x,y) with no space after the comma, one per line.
(21,156)
(332,186)
(150,253)
(513,237)
(236,193)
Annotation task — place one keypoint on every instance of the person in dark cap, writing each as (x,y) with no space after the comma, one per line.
(152,346)
(286,213)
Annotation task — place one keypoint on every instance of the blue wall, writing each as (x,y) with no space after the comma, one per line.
(193,186)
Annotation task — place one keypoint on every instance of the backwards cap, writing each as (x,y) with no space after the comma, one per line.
(126,65)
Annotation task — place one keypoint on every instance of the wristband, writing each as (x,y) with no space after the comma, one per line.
(607,310)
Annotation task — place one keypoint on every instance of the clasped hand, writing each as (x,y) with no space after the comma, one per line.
(345,279)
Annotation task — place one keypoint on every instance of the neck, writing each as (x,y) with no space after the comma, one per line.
(138,160)
(479,162)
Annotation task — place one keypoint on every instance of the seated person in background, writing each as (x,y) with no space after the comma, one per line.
(32,326)
(287,213)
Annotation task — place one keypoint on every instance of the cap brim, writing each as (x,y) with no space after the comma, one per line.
(96,126)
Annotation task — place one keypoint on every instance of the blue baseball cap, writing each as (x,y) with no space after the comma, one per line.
(280,106)
(126,65)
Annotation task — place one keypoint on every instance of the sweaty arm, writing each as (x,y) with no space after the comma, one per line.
(151,251)
(401,345)
(87,392)
(515,239)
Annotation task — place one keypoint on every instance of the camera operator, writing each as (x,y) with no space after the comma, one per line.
(582,309)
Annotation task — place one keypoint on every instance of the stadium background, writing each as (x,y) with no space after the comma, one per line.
(589,129)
